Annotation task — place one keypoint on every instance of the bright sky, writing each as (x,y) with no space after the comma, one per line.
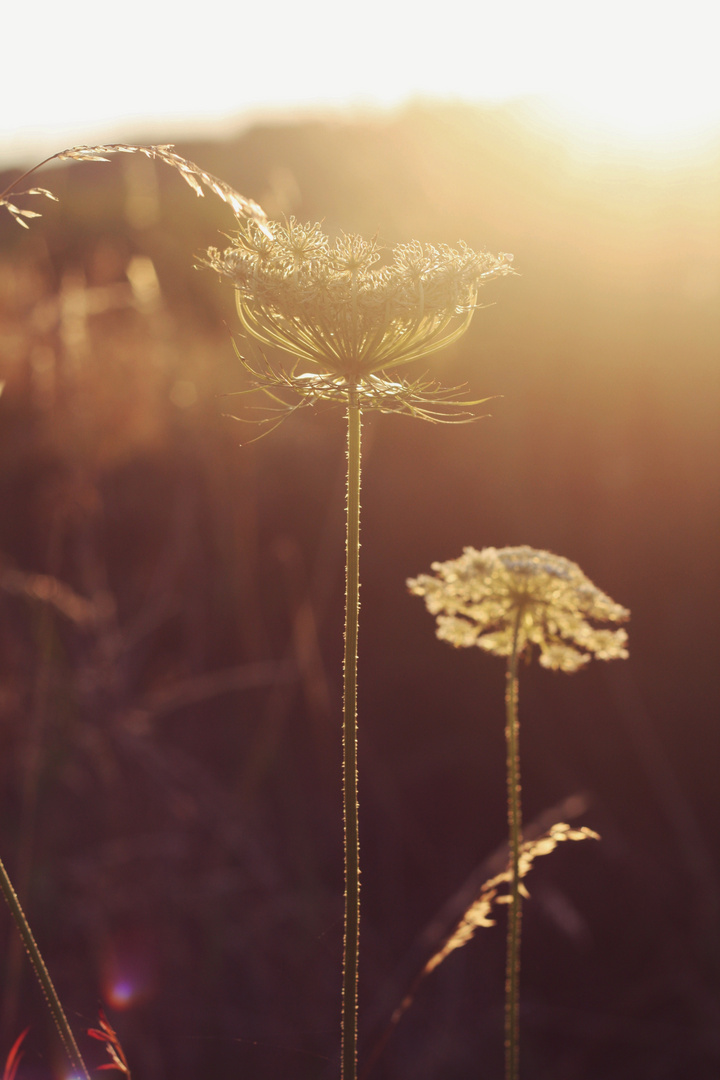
(82,71)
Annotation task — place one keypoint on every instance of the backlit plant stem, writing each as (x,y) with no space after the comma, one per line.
(512,970)
(43,974)
(350,778)
(507,601)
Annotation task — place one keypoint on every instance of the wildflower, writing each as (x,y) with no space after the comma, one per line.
(353,322)
(334,308)
(506,601)
(486,597)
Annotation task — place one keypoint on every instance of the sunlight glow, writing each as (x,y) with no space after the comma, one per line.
(642,70)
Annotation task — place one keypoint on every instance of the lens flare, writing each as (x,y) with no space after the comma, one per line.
(121,994)
(128,968)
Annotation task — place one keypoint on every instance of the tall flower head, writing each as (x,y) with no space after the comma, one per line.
(485,597)
(336,307)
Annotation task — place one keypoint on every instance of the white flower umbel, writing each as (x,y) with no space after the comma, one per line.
(479,598)
(332,306)
(336,309)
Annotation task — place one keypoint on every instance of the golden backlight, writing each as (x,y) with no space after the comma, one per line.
(171,585)
(630,70)
(642,73)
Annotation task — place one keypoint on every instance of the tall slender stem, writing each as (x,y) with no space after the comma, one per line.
(350,785)
(43,974)
(512,970)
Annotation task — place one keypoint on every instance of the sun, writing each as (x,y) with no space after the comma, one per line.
(644,106)
(635,71)
(643,72)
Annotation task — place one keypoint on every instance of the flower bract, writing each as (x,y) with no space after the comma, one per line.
(482,597)
(336,307)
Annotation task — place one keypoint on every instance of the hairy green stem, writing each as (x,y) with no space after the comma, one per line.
(512,970)
(42,973)
(350,784)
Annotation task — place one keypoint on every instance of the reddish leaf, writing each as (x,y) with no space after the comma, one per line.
(13,1059)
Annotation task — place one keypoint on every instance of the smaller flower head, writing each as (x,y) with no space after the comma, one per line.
(485,597)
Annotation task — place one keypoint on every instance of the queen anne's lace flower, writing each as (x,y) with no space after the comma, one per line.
(333,307)
(480,599)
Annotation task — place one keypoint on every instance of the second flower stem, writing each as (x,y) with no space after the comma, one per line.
(350,778)
(512,970)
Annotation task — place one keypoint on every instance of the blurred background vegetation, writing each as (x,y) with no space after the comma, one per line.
(171,608)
